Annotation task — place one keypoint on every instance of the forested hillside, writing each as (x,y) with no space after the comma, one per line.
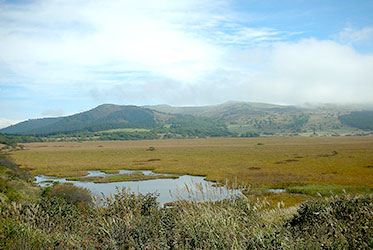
(103,117)
(115,122)
(358,119)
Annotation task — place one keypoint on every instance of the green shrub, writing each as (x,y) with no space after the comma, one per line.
(339,222)
(250,134)
(71,193)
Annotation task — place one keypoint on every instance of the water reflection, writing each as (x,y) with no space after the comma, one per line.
(185,187)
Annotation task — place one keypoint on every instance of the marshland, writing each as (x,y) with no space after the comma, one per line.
(327,199)
(301,164)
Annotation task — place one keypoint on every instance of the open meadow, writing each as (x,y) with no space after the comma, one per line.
(304,165)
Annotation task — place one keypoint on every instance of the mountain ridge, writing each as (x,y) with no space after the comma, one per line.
(105,116)
(239,118)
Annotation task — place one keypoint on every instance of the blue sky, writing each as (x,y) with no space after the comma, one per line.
(61,57)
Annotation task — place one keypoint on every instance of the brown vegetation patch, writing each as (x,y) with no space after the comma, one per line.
(254,168)
(291,160)
(145,161)
(324,155)
(28,169)
(333,153)
(154,160)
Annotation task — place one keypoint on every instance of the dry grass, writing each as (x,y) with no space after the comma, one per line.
(278,162)
(281,200)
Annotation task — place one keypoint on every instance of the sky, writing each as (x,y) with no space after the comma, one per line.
(59,57)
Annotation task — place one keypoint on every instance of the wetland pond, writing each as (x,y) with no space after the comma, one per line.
(183,187)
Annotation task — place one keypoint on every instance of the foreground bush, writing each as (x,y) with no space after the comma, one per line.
(339,222)
(128,221)
(70,193)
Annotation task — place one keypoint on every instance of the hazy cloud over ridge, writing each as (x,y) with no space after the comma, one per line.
(305,71)
(7,122)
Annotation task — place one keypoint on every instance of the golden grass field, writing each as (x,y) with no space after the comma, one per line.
(317,162)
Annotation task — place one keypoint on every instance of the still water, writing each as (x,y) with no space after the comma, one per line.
(186,187)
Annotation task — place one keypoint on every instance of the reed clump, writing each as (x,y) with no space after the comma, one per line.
(128,220)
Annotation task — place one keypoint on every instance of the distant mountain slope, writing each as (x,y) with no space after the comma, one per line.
(220,110)
(358,119)
(242,117)
(227,119)
(261,118)
(103,117)
(21,127)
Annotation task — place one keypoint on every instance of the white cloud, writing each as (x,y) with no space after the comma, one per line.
(309,71)
(352,35)
(60,42)
(289,73)
(241,35)
(7,122)
(177,52)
